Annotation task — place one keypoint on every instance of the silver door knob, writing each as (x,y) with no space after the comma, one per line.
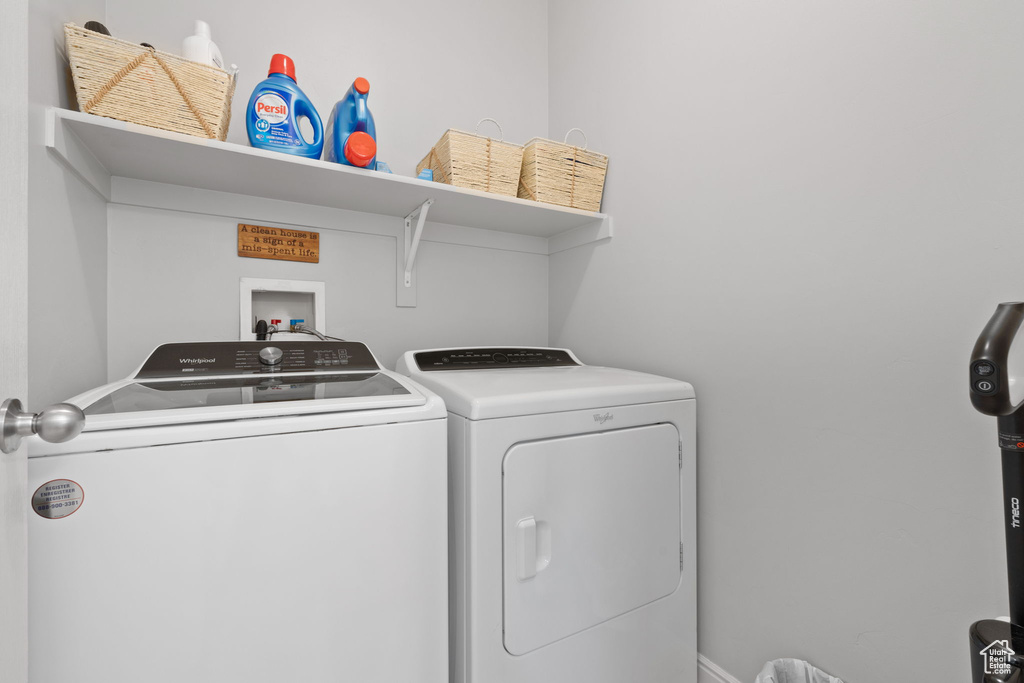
(58,423)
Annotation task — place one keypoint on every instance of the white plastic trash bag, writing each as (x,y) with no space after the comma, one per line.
(793,671)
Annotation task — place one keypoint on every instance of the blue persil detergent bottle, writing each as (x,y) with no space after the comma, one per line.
(351,135)
(274,109)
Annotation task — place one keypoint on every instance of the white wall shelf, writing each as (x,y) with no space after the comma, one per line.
(101,151)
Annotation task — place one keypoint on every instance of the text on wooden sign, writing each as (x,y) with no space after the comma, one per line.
(282,244)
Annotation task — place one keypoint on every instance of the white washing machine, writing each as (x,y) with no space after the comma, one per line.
(573,517)
(243,511)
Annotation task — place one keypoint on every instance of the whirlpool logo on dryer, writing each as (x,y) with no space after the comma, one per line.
(601,418)
(196,361)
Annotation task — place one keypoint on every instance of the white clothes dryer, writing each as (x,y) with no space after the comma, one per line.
(243,511)
(573,517)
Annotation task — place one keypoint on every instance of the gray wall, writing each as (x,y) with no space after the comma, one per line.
(466,295)
(67,240)
(817,207)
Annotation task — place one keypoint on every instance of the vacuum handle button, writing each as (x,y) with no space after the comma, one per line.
(984,386)
(984,369)
(270,355)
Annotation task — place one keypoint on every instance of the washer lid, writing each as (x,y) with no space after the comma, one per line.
(220,381)
(492,392)
(141,404)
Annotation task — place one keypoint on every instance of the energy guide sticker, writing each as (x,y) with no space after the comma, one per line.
(57,498)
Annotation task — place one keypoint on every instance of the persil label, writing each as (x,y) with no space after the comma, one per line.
(271,108)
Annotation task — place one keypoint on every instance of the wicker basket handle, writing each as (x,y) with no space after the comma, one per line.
(501,134)
(566,139)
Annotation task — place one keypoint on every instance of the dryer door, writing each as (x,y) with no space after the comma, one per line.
(591,530)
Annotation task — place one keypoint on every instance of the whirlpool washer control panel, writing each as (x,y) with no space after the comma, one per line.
(255,357)
(492,358)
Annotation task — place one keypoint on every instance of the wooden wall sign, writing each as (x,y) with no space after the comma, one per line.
(281,244)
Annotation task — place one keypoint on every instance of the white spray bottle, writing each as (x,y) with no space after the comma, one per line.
(199,48)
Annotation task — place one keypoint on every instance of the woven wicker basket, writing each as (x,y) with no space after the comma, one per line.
(474,161)
(129,82)
(559,173)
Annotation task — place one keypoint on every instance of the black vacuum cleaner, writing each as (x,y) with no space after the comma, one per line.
(997,647)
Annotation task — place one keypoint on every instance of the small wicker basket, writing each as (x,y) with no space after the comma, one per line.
(559,173)
(475,162)
(129,82)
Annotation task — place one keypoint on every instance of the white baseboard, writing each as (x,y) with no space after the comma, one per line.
(709,672)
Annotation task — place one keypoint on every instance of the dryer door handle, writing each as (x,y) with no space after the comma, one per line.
(533,547)
(526,549)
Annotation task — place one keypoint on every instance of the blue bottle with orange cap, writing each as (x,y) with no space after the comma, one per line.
(276,106)
(351,136)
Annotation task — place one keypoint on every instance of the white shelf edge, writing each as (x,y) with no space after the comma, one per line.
(75,155)
(585,234)
(87,165)
(57,119)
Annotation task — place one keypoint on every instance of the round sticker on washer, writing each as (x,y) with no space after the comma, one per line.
(57,498)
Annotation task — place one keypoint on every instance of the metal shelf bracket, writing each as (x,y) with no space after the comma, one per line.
(412,239)
(407,257)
